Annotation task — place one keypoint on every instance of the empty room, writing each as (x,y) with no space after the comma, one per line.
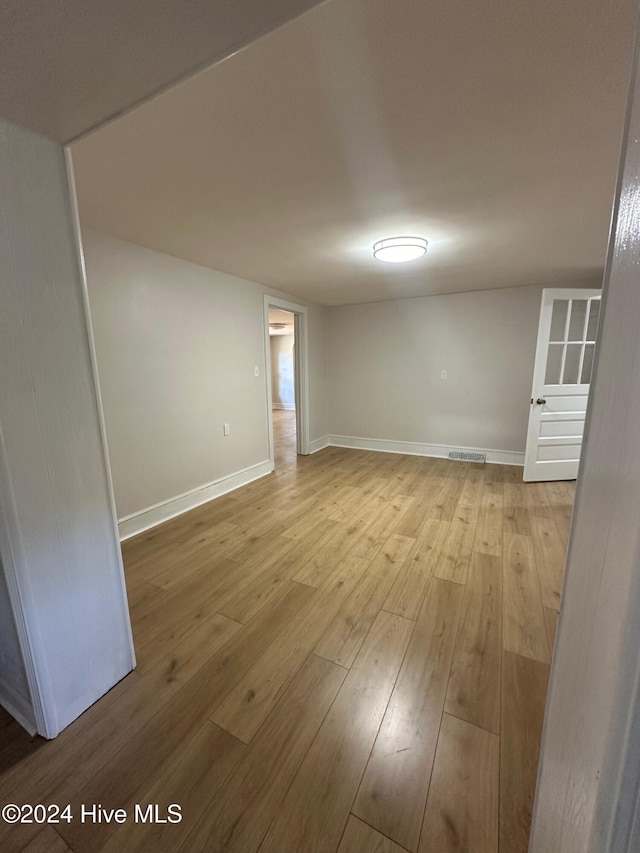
(318,405)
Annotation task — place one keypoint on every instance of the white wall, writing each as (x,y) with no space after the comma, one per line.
(282,371)
(385,360)
(317,338)
(59,545)
(176,345)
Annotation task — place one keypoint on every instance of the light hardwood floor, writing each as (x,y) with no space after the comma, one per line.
(284,437)
(349,655)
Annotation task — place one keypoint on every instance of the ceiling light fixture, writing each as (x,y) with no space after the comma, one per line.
(397,250)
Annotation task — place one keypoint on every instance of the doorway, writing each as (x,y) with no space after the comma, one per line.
(283,398)
(286,359)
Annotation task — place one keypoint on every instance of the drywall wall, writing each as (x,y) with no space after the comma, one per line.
(386,358)
(589,776)
(282,373)
(59,549)
(317,340)
(14,687)
(177,345)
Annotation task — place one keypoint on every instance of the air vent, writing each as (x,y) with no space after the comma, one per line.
(460,456)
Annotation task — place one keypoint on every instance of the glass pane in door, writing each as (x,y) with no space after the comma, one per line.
(572,364)
(559,319)
(592,325)
(587,364)
(554,364)
(578,319)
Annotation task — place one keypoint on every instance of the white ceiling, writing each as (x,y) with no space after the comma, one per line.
(492,129)
(283,318)
(69,65)
(276,315)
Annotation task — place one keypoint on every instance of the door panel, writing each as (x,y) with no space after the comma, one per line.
(551,429)
(563,452)
(561,377)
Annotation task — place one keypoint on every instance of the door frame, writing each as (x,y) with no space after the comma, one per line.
(300,369)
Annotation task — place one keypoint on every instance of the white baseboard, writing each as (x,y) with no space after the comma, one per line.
(319,444)
(138,522)
(17,707)
(412,448)
(289,407)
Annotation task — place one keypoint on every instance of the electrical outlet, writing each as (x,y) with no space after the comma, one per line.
(256,371)
(226,429)
(443,374)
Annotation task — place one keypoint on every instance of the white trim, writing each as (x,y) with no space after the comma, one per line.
(143,520)
(301,377)
(301,369)
(11,544)
(287,407)
(75,216)
(413,448)
(138,522)
(27,641)
(17,714)
(319,444)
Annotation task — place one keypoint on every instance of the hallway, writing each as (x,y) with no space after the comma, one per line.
(284,437)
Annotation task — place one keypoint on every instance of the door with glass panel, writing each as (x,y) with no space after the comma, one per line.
(561,377)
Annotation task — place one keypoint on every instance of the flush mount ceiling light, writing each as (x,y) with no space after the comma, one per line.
(397,250)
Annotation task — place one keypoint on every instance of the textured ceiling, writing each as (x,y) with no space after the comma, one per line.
(492,129)
(67,66)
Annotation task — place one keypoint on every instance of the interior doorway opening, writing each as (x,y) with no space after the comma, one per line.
(282,345)
(286,380)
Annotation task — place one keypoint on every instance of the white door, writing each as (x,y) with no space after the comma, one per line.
(561,377)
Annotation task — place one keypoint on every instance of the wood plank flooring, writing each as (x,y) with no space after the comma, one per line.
(350,655)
